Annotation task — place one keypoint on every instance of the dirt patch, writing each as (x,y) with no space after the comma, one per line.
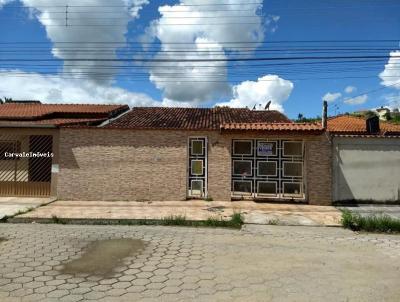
(102,257)
(2,239)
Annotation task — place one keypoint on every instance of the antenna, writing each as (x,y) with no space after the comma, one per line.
(267,106)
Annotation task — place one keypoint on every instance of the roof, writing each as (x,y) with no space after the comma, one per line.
(352,125)
(57,114)
(193,118)
(299,127)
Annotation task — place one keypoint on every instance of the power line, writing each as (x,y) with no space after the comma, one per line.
(208,60)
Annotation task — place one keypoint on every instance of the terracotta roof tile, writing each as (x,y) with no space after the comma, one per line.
(347,124)
(300,127)
(193,118)
(58,114)
(54,122)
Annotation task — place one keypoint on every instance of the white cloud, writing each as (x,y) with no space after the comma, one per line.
(57,89)
(81,38)
(331,97)
(358,100)
(390,76)
(201,38)
(393,100)
(4,2)
(350,89)
(267,88)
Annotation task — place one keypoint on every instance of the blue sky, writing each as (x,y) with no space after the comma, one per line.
(280,26)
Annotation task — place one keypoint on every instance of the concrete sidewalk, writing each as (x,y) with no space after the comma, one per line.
(9,206)
(258,213)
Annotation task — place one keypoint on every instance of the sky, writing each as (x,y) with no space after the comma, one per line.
(203,53)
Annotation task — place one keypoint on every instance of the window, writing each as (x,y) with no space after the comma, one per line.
(243,147)
(9,147)
(197,147)
(197,188)
(292,149)
(292,169)
(242,167)
(270,168)
(267,168)
(242,186)
(267,187)
(197,167)
(291,189)
(265,148)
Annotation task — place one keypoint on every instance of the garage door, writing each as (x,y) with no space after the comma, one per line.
(267,169)
(366,169)
(25,165)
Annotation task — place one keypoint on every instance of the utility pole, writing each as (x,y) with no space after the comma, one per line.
(66,15)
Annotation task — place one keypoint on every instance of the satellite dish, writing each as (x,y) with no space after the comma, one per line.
(267,106)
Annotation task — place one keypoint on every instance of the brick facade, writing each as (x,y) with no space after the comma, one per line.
(120,164)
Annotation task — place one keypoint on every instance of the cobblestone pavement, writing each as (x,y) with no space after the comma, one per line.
(258,263)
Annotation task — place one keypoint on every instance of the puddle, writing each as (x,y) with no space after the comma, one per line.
(102,257)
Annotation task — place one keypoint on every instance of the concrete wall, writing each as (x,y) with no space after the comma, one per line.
(366,169)
(112,164)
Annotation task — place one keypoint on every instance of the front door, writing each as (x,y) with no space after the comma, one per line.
(197,167)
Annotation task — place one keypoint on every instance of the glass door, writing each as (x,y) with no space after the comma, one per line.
(197,167)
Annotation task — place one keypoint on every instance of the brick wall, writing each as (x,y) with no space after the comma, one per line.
(105,164)
(319,171)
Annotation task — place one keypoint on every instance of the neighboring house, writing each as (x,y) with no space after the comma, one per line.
(383,113)
(366,164)
(34,127)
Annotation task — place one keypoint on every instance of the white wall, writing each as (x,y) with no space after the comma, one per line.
(366,169)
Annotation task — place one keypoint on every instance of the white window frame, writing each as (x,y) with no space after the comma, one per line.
(205,167)
(291,142)
(267,194)
(191,187)
(244,193)
(243,140)
(293,162)
(266,141)
(290,194)
(191,167)
(202,147)
(242,160)
(267,161)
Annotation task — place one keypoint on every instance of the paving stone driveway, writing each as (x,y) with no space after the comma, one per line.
(258,263)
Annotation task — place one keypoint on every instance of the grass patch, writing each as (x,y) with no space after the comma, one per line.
(374,223)
(57,220)
(174,220)
(235,222)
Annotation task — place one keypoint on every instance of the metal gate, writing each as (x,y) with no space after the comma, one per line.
(263,168)
(25,165)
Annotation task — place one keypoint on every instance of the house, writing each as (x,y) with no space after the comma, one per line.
(29,142)
(183,153)
(383,113)
(366,160)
